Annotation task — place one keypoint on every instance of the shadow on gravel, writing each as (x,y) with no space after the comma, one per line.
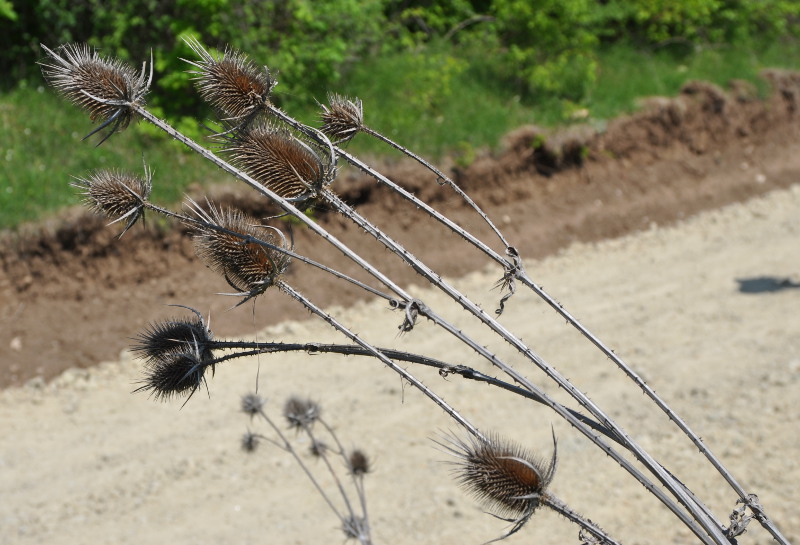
(765,284)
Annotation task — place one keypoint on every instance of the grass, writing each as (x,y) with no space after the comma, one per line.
(442,101)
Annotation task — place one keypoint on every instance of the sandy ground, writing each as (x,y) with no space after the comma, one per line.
(695,308)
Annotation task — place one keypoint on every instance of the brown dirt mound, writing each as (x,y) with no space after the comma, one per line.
(71,294)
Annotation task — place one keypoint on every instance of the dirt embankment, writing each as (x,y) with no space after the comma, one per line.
(73,295)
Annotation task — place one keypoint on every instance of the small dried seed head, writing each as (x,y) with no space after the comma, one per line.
(160,340)
(358,463)
(507,478)
(231,83)
(233,252)
(342,119)
(116,194)
(76,71)
(250,442)
(174,376)
(252,404)
(318,448)
(301,413)
(281,161)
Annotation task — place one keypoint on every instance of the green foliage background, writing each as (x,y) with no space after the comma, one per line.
(539,47)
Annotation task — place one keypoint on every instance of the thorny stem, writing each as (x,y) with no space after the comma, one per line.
(439,176)
(289,208)
(563,509)
(709,525)
(455,415)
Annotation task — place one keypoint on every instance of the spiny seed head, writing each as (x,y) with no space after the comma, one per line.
(250,442)
(318,448)
(252,404)
(231,83)
(160,340)
(343,118)
(175,375)
(116,194)
(77,71)
(505,477)
(301,413)
(233,252)
(281,161)
(358,463)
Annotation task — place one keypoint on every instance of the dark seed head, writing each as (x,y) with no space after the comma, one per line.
(252,404)
(342,119)
(250,442)
(281,161)
(116,194)
(174,376)
(228,246)
(507,478)
(231,83)
(301,413)
(318,448)
(105,88)
(160,340)
(358,463)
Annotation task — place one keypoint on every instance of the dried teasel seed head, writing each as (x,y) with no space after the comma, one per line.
(231,83)
(342,118)
(250,442)
(508,479)
(301,413)
(107,89)
(160,340)
(117,194)
(229,246)
(318,448)
(252,404)
(279,160)
(175,375)
(358,463)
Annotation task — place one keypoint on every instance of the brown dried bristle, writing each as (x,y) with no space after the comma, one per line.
(76,69)
(231,82)
(116,194)
(342,120)
(507,478)
(247,265)
(301,412)
(275,158)
(358,463)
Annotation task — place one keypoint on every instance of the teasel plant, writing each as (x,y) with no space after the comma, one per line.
(294,166)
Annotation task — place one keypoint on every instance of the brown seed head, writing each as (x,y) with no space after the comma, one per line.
(231,83)
(342,120)
(301,413)
(358,463)
(280,161)
(252,404)
(116,194)
(507,478)
(229,247)
(76,71)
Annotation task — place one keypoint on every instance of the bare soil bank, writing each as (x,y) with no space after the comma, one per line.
(72,295)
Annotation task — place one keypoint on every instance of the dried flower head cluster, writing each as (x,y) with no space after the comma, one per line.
(231,83)
(177,354)
(507,478)
(281,161)
(117,194)
(105,88)
(358,463)
(342,118)
(232,245)
(301,413)
(252,404)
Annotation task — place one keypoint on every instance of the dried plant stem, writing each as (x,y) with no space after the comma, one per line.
(440,176)
(711,528)
(564,510)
